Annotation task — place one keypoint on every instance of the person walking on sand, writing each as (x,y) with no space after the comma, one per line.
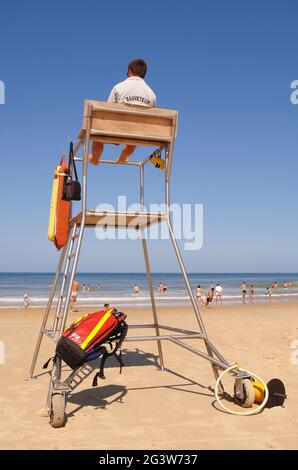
(133,91)
(243,288)
(218,293)
(74,295)
(136,289)
(199,293)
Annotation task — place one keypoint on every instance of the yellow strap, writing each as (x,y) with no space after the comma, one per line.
(96,329)
(53,207)
(80,318)
(77,320)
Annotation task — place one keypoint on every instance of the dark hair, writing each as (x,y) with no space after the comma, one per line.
(199,286)
(138,67)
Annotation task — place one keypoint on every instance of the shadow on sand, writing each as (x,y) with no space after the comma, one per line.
(105,395)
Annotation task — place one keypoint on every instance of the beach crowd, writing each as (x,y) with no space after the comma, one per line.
(212,295)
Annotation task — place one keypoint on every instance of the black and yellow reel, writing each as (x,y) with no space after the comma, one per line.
(157,161)
(248,391)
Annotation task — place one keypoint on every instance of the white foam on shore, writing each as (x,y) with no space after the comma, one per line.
(139,301)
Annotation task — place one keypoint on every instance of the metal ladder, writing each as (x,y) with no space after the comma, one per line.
(67,258)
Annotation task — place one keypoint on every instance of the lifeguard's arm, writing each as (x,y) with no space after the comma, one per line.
(112,96)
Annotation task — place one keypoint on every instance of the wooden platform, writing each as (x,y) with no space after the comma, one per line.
(109,219)
(117,123)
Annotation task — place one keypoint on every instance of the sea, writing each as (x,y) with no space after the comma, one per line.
(117,289)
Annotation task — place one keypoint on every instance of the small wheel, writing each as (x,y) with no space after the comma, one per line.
(249,394)
(57,414)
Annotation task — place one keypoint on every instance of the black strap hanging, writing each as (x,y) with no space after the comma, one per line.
(72,188)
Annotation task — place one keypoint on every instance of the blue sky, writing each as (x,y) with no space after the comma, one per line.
(226,66)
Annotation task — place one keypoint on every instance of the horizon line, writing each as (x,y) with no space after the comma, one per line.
(154,272)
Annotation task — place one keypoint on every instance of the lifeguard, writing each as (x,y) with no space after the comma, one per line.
(133,91)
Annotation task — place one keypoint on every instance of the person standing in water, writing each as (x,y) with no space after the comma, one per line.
(251,293)
(218,293)
(159,288)
(136,289)
(269,293)
(209,296)
(27,300)
(243,288)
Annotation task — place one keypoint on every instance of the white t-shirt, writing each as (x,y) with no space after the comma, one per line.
(218,289)
(133,91)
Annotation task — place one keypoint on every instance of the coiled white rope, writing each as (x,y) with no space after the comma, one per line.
(239,413)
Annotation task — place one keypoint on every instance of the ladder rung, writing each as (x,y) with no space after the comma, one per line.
(74,237)
(62,386)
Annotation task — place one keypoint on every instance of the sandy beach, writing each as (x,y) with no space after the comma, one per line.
(144,408)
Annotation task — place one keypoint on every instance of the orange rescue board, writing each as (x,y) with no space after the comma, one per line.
(59,210)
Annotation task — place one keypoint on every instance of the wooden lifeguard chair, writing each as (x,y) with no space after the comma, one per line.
(115,123)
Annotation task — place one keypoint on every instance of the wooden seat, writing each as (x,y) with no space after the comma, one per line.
(116,123)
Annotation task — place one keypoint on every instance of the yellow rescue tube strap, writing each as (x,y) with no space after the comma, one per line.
(53,206)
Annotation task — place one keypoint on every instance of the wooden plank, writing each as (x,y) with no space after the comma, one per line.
(128,123)
(122,140)
(118,219)
(131,122)
(130,108)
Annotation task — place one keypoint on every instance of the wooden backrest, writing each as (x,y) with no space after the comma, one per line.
(118,123)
